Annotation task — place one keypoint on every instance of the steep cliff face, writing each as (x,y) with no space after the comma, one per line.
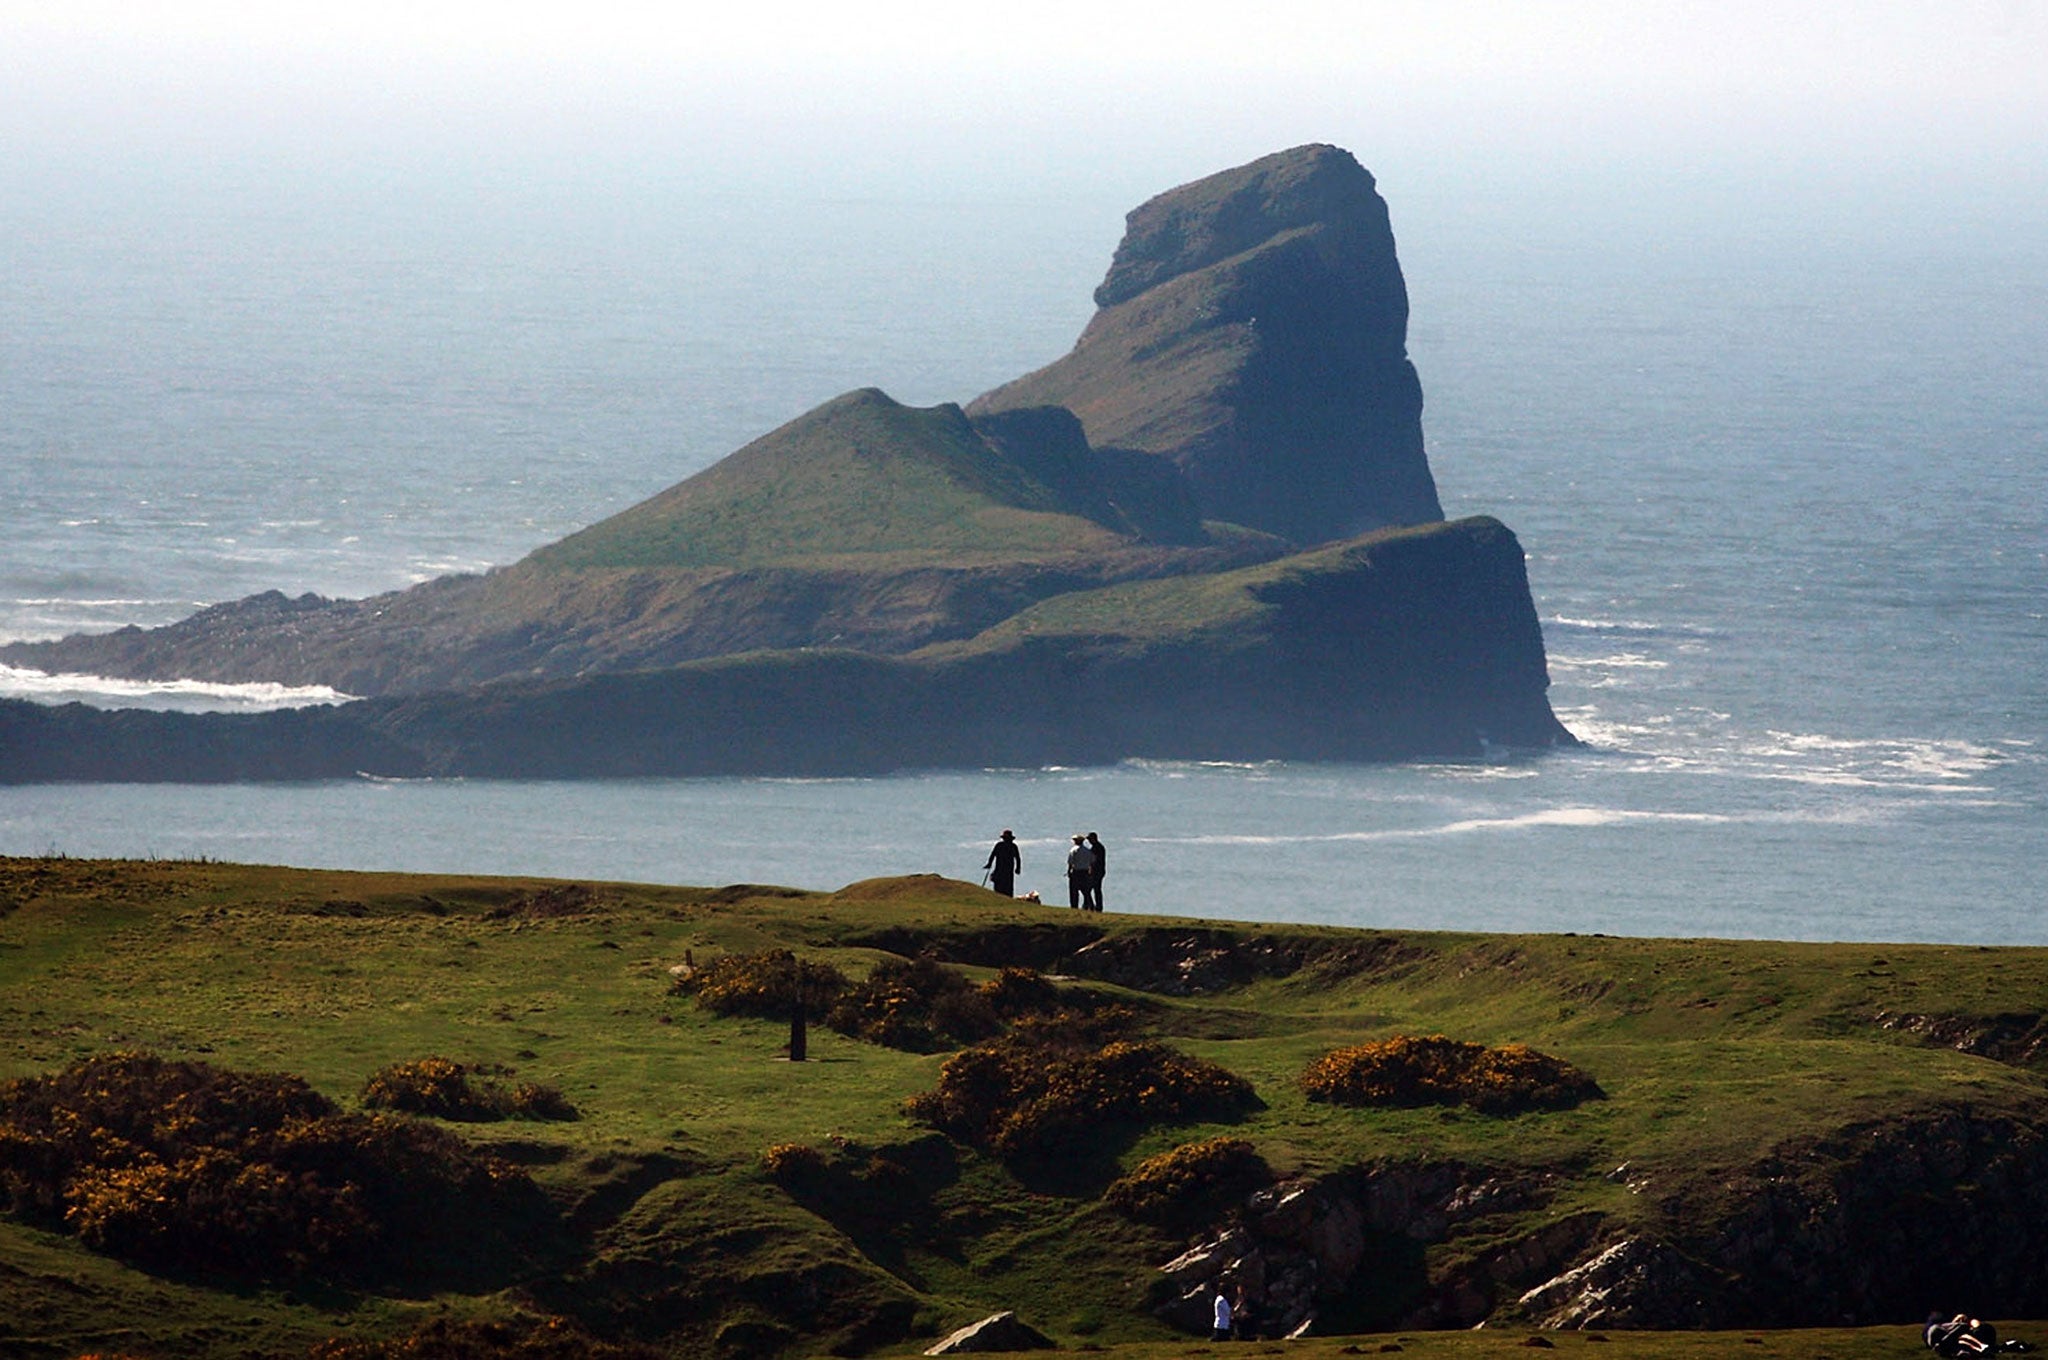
(876,586)
(1414,643)
(1253,332)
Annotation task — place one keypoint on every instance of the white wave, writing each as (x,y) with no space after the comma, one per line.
(1628,627)
(1577,818)
(1618,661)
(1705,741)
(185,696)
(1181,769)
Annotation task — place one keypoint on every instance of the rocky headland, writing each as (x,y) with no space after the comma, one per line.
(1218,497)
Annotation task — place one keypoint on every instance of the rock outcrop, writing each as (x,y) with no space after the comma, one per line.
(1876,1224)
(1151,531)
(996,1334)
(1417,643)
(1253,332)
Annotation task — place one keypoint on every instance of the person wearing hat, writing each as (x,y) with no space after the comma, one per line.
(1100,863)
(1003,862)
(1080,872)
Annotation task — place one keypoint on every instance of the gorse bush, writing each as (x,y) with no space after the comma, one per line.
(789,1164)
(179,1165)
(1405,1070)
(762,984)
(915,1004)
(1189,1182)
(444,1090)
(923,1006)
(1046,1085)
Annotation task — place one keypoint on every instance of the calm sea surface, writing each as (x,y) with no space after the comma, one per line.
(1783,481)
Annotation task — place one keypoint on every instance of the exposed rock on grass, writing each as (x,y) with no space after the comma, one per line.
(2019,1038)
(997,1333)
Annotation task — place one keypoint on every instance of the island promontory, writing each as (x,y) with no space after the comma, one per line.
(1211,526)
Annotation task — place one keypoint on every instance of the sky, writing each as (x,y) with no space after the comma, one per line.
(1098,91)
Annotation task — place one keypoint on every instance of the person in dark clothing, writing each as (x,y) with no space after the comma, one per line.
(1095,873)
(1959,1335)
(1003,862)
(1080,873)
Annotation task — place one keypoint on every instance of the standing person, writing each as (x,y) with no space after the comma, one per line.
(1095,874)
(1004,860)
(1222,1332)
(1080,873)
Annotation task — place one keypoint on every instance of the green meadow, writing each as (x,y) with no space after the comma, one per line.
(1712,1057)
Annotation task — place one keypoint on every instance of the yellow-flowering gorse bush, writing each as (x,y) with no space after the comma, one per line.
(762,984)
(183,1166)
(1407,1070)
(1046,1084)
(444,1089)
(1188,1182)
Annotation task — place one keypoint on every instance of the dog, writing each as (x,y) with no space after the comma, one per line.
(1029,897)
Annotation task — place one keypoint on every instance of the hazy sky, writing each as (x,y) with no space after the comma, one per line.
(1077,87)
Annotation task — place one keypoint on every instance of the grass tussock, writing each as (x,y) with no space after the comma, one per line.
(184,1167)
(443,1089)
(1048,1084)
(1406,1071)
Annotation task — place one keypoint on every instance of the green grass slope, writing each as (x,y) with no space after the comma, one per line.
(1731,1070)
(861,476)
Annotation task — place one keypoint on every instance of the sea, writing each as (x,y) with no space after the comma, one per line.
(1777,452)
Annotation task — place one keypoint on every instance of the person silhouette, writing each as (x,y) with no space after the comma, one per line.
(1004,860)
(1101,858)
(1080,873)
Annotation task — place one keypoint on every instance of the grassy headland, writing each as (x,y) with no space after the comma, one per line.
(1733,1075)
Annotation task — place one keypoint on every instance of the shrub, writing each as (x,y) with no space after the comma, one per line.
(1405,1071)
(1015,993)
(762,984)
(1044,1086)
(531,1100)
(915,1004)
(792,1164)
(182,1165)
(1187,1183)
(443,1089)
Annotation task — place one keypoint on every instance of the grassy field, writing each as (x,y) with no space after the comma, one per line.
(1714,1056)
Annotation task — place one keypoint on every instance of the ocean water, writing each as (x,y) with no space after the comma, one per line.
(1781,470)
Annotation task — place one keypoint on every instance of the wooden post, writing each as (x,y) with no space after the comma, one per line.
(799,1039)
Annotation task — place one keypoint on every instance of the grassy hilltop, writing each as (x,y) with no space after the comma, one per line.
(1789,1123)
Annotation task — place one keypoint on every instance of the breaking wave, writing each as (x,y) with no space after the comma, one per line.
(180,696)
